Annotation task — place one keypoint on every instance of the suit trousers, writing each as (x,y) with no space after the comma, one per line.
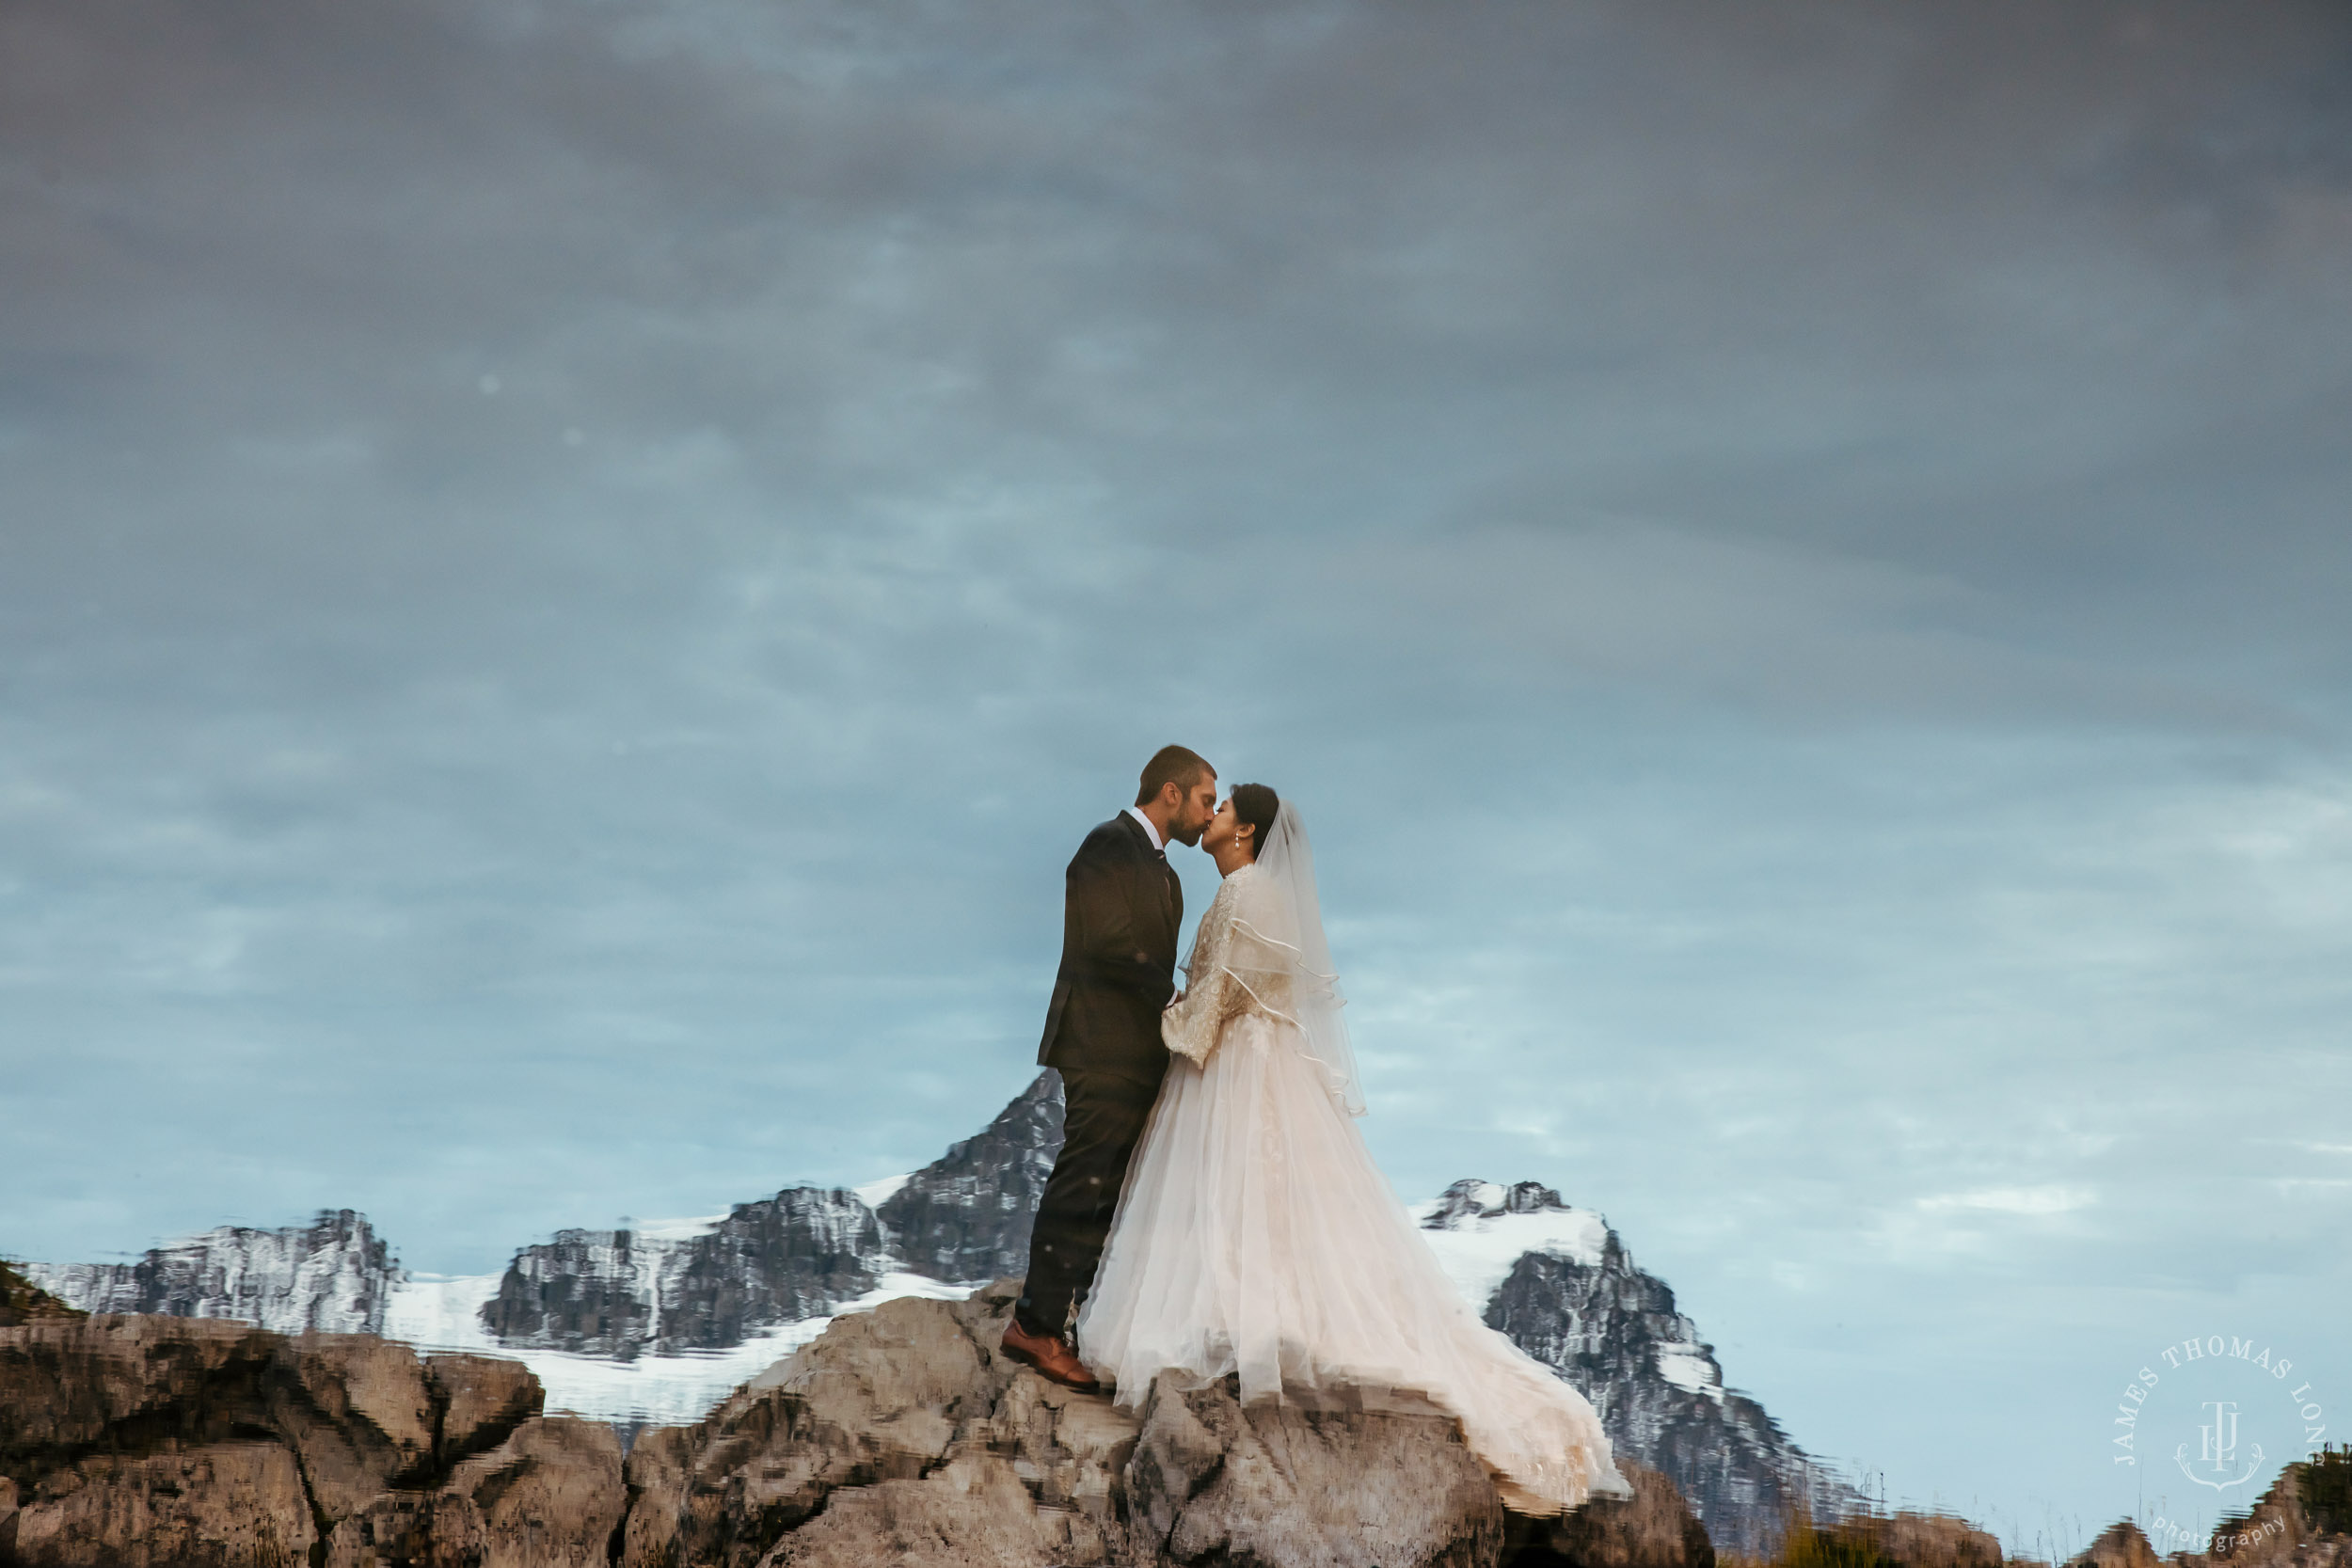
(1103,1118)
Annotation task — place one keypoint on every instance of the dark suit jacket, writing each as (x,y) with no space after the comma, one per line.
(1122,906)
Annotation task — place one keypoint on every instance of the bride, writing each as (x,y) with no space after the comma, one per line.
(1254,1235)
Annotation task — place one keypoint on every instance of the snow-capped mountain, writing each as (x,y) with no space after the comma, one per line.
(710,1284)
(1558,1281)
(670,1290)
(965,1216)
(332,1275)
(657,1322)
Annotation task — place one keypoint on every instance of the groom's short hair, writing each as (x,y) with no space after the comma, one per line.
(1171,765)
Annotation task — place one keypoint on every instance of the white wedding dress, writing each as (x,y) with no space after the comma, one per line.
(1255,1236)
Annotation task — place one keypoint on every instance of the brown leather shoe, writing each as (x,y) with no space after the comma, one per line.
(1051,1356)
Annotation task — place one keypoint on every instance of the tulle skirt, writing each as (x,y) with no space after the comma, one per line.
(1256,1237)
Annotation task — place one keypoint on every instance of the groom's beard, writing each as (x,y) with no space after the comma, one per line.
(1178,835)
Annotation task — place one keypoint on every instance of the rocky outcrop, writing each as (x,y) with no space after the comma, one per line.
(794,1256)
(1901,1540)
(331,1275)
(1555,1278)
(1470,1201)
(1595,1317)
(549,1496)
(2303,1521)
(965,1216)
(134,1440)
(801,1254)
(894,1423)
(2321,1492)
(2120,1545)
(1653,1528)
(898,1437)
(1922,1539)
(1214,1482)
(227,1502)
(24,1302)
(901,1436)
(597,1292)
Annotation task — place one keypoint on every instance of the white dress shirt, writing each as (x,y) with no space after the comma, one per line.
(1157,843)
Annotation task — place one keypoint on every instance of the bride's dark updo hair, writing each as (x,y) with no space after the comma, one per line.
(1255,804)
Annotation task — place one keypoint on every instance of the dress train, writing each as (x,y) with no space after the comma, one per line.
(1255,1237)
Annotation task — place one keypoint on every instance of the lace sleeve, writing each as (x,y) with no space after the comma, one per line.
(1259,955)
(1192,1022)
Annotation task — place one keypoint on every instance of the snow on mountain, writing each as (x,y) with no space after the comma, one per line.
(681,1288)
(689,1285)
(438,1312)
(443,1311)
(875,1194)
(1480,1229)
(965,1216)
(1559,1284)
(1690,1367)
(332,1275)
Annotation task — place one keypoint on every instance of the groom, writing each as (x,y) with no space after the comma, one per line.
(1121,911)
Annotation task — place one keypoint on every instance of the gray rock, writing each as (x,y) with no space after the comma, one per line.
(2120,1545)
(592,1292)
(549,1496)
(614,1292)
(898,1437)
(965,1216)
(881,1396)
(1924,1540)
(150,1438)
(794,1256)
(24,1302)
(1212,1481)
(358,1411)
(2303,1520)
(480,1399)
(331,1275)
(1653,1528)
(971,1511)
(1608,1329)
(901,1436)
(68,1385)
(1467,1199)
(239,1505)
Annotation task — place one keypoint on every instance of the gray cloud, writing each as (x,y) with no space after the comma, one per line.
(569,575)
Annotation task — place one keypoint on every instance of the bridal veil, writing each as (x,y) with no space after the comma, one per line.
(1277,951)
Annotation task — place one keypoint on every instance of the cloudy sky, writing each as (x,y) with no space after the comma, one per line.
(571,571)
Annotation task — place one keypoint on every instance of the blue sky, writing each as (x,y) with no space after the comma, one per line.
(571,572)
